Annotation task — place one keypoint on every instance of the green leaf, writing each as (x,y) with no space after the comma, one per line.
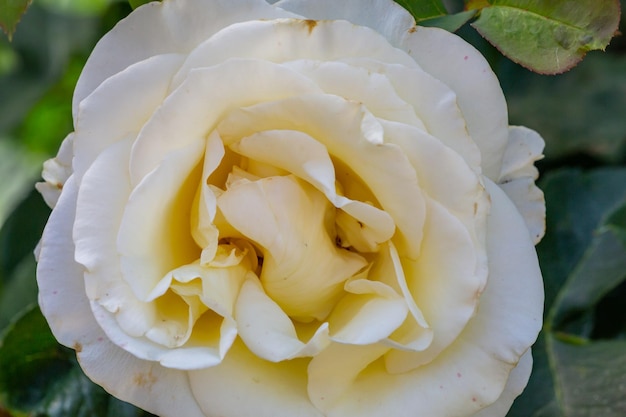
(136,3)
(11,12)
(18,236)
(583,261)
(617,223)
(549,37)
(451,22)
(591,378)
(423,9)
(40,377)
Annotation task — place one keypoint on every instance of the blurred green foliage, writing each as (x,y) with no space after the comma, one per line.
(580,358)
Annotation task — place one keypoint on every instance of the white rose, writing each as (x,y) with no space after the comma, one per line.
(311,208)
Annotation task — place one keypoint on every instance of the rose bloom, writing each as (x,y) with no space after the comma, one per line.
(307,208)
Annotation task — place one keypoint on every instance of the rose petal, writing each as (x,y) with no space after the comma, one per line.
(284,40)
(518,378)
(303,270)
(145,384)
(103,194)
(56,171)
(60,279)
(268,332)
(352,135)
(473,371)
(446,291)
(359,84)
(518,175)
(369,313)
(455,62)
(247,385)
(433,102)
(303,156)
(120,106)
(384,16)
(154,236)
(333,371)
(204,205)
(191,112)
(161,28)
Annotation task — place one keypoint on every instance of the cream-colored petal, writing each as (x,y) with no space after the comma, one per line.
(474,370)
(268,332)
(146,384)
(120,106)
(454,61)
(246,385)
(103,194)
(124,318)
(353,136)
(161,28)
(333,371)
(308,159)
(415,334)
(369,313)
(56,171)
(303,271)
(154,236)
(445,281)
(191,112)
(518,175)
(434,102)
(204,232)
(201,288)
(282,40)
(359,84)
(60,278)
(518,378)
(384,16)
(442,173)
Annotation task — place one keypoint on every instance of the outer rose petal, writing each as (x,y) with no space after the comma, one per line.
(120,106)
(518,175)
(455,62)
(384,16)
(518,378)
(64,303)
(55,172)
(161,28)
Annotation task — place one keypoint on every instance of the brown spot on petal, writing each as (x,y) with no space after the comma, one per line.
(310,24)
(143,380)
(413,29)
(78,347)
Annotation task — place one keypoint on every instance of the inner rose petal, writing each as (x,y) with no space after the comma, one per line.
(154,235)
(303,271)
(308,159)
(353,136)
